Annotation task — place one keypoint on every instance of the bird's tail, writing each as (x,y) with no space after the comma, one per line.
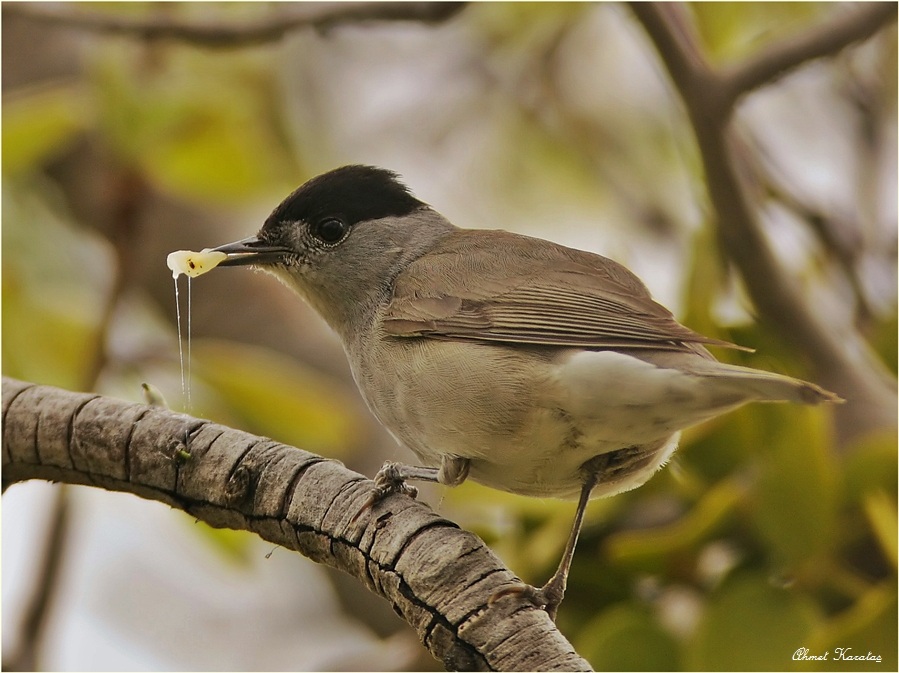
(770,387)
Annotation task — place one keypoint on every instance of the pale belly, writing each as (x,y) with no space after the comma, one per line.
(529,420)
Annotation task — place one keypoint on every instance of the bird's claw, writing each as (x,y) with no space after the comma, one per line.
(547,598)
(390,480)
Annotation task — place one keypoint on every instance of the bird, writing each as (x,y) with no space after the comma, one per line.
(509,360)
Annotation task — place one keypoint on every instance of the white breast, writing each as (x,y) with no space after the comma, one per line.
(528,423)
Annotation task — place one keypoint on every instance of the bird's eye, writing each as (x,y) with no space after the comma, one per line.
(330,230)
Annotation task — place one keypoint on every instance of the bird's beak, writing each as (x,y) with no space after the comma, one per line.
(251,251)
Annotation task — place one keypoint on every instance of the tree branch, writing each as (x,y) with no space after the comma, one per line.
(24,655)
(229,36)
(669,28)
(842,362)
(777,59)
(437,577)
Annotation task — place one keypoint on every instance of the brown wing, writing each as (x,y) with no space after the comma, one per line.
(474,288)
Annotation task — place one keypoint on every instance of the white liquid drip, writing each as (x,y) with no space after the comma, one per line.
(189,341)
(190,264)
(180,340)
(185,379)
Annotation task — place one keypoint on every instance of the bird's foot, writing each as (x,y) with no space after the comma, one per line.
(390,479)
(548,597)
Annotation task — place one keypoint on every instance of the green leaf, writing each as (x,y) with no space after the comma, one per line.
(870,465)
(651,547)
(715,449)
(749,625)
(705,280)
(868,625)
(50,343)
(627,638)
(794,502)
(55,279)
(881,511)
(235,546)
(274,395)
(732,30)
(38,124)
(886,341)
(201,129)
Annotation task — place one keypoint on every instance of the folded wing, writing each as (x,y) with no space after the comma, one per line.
(542,294)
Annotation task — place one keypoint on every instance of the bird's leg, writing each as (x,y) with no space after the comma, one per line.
(554,590)
(392,477)
(550,595)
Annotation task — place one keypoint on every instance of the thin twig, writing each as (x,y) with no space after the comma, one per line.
(776,60)
(228,36)
(26,656)
(39,606)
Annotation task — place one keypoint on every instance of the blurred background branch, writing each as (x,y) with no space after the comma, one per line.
(841,360)
(857,23)
(25,655)
(225,36)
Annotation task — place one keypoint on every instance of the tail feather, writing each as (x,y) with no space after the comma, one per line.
(771,387)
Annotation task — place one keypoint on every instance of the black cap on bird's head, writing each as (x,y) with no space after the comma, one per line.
(329,203)
(353,193)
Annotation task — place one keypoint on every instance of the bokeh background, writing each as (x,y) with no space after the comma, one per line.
(774,529)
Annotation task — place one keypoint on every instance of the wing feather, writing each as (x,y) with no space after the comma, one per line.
(495,286)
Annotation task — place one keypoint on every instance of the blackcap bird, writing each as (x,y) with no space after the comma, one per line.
(519,363)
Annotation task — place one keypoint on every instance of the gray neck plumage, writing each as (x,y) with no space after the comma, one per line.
(347,286)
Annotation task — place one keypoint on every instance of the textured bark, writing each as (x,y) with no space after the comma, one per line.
(437,577)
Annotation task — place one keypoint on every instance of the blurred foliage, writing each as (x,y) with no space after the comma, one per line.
(200,129)
(267,393)
(732,30)
(759,539)
(55,279)
(38,124)
(627,637)
(764,541)
(748,624)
